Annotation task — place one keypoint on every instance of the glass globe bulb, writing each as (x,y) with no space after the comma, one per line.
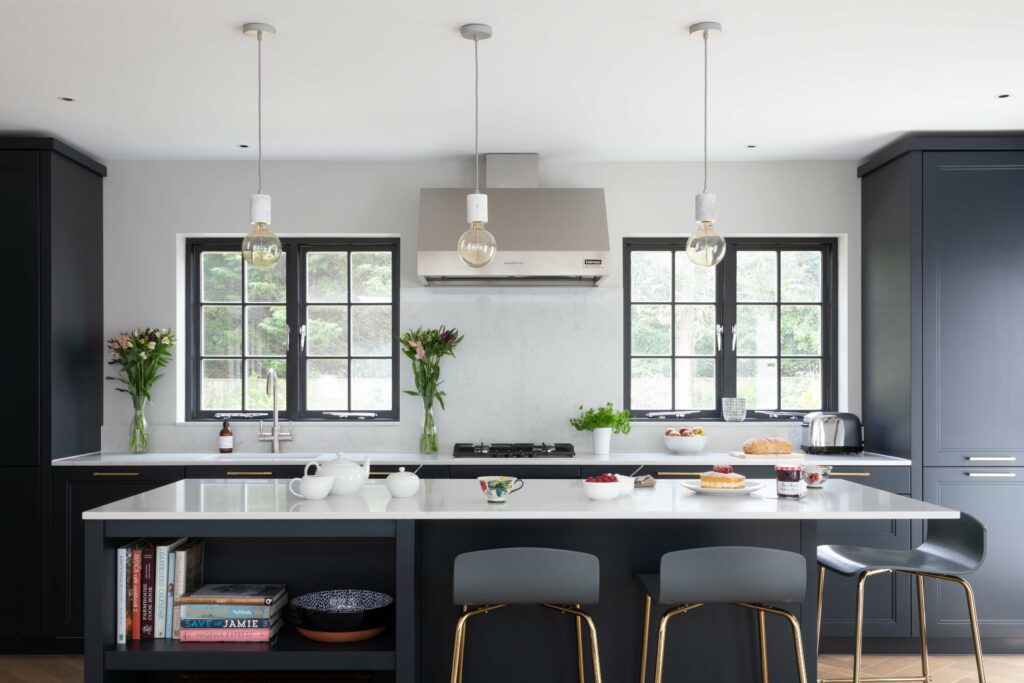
(260,247)
(706,247)
(477,246)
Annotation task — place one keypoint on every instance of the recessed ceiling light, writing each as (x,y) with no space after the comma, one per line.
(243,146)
(1003,96)
(751,146)
(66,99)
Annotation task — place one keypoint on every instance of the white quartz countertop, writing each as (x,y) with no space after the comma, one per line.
(539,499)
(417,459)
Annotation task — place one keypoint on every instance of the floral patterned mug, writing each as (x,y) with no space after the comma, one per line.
(497,489)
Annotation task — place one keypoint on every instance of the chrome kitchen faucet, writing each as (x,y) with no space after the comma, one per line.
(275,436)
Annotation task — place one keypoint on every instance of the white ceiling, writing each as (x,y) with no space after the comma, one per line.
(569,79)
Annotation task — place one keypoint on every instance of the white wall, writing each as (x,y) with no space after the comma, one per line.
(530,355)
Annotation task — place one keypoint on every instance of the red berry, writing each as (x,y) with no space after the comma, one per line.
(722,469)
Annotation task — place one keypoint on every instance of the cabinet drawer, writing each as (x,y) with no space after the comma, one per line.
(520,471)
(101,474)
(974,459)
(244,472)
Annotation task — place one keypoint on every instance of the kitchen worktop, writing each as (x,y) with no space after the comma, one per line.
(416,459)
(539,499)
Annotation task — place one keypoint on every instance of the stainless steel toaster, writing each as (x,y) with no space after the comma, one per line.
(832,433)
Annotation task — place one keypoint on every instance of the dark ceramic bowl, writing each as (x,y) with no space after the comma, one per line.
(342,611)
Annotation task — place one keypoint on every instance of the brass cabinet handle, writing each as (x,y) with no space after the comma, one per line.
(115,474)
(232,473)
(380,474)
(991,474)
(850,474)
(678,474)
(992,458)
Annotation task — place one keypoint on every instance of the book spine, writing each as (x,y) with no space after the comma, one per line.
(122,595)
(169,609)
(148,591)
(213,600)
(136,593)
(180,564)
(225,623)
(221,635)
(160,595)
(224,612)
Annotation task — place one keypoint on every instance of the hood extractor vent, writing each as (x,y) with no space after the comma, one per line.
(545,236)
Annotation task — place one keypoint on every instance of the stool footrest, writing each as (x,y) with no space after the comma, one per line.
(878,679)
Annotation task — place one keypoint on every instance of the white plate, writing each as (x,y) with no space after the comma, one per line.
(748,487)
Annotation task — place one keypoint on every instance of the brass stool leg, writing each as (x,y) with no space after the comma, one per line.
(594,652)
(975,631)
(925,668)
(462,644)
(646,637)
(659,660)
(821,594)
(579,645)
(762,637)
(798,641)
(458,651)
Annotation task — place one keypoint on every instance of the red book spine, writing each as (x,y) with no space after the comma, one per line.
(136,593)
(148,605)
(221,635)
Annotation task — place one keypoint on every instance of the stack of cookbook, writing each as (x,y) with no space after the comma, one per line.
(232,612)
(151,577)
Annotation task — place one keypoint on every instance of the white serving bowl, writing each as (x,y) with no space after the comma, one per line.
(626,484)
(601,490)
(685,444)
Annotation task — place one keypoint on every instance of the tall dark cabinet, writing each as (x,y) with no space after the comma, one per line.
(51,211)
(943,331)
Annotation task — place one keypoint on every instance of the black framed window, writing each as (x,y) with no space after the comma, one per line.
(761,326)
(325,318)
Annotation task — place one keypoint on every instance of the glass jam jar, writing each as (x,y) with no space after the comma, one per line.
(789,481)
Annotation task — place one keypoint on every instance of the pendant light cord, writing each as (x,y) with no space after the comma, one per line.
(476,110)
(259,111)
(705,112)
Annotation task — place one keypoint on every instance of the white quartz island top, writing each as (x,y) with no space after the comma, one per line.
(416,459)
(540,499)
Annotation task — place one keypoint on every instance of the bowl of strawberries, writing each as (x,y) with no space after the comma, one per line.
(685,439)
(602,487)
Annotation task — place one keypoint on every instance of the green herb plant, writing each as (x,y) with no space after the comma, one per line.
(602,416)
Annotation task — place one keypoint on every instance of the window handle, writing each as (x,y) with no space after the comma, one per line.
(734,339)
(718,337)
(662,414)
(302,337)
(348,414)
(287,337)
(221,416)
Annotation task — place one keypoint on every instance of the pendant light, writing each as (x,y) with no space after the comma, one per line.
(706,247)
(260,247)
(476,246)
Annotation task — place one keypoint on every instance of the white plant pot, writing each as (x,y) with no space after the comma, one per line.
(602,440)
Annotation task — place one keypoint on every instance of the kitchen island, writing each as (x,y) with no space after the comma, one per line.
(257,531)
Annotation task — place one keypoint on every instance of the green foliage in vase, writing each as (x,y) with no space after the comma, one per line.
(426,348)
(139,355)
(602,416)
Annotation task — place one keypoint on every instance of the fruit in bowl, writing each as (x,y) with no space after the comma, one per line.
(602,487)
(685,439)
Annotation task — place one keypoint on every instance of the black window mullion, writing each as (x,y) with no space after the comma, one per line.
(778,329)
(348,312)
(292,298)
(672,328)
(727,300)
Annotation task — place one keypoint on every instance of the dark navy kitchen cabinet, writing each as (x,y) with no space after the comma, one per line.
(21,568)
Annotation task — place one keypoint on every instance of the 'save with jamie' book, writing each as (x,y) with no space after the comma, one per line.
(235,594)
(225,623)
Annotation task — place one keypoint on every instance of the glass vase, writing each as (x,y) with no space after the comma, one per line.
(138,436)
(428,436)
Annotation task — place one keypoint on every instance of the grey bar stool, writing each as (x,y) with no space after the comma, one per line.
(952,549)
(754,578)
(561,580)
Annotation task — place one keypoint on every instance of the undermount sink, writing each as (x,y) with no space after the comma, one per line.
(270,457)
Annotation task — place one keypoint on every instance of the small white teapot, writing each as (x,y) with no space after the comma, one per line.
(402,484)
(348,476)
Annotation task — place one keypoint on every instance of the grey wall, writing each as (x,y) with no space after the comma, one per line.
(530,356)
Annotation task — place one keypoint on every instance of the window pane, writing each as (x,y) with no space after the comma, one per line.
(327,384)
(327,277)
(371,277)
(651,275)
(757,381)
(651,383)
(371,384)
(756,333)
(266,285)
(695,383)
(801,276)
(221,278)
(801,330)
(694,283)
(756,276)
(221,385)
(256,396)
(695,330)
(266,331)
(327,330)
(801,384)
(371,331)
(222,331)
(651,331)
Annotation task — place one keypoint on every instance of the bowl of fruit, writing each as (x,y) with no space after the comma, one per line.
(685,439)
(602,487)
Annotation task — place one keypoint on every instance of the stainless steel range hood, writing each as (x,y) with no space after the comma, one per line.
(545,237)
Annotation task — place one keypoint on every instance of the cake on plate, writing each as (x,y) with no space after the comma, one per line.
(722,477)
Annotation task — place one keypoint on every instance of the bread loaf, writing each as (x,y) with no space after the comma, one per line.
(760,445)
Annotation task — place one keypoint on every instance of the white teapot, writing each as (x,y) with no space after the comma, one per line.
(348,476)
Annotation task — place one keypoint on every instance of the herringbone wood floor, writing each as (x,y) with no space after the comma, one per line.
(945,669)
